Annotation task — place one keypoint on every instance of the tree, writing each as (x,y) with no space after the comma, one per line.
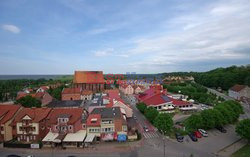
(29,101)
(194,122)
(151,113)
(208,119)
(141,107)
(243,129)
(163,122)
(56,93)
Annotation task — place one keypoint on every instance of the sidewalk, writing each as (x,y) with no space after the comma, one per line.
(230,149)
(112,147)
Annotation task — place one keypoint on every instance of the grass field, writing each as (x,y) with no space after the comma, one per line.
(243,152)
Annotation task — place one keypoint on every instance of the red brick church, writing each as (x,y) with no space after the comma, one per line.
(89,80)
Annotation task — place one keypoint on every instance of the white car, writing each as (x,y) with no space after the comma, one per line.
(203,132)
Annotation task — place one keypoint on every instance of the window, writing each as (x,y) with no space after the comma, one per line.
(2,129)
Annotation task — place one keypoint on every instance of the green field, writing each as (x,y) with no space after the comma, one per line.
(243,152)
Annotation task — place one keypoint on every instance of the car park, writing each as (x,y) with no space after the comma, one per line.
(221,129)
(179,137)
(192,137)
(197,134)
(203,132)
(145,128)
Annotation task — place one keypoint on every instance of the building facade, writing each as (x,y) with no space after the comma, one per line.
(89,80)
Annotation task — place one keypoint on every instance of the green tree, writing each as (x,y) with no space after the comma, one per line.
(141,107)
(56,93)
(243,129)
(29,101)
(164,122)
(151,113)
(194,122)
(208,119)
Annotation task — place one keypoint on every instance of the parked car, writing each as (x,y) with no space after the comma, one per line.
(179,137)
(192,137)
(135,117)
(197,134)
(145,128)
(203,132)
(221,129)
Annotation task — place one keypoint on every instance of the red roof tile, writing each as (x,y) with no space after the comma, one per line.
(36,114)
(179,102)
(73,113)
(96,117)
(88,77)
(7,112)
(156,100)
(71,91)
(238,88)
(20,95)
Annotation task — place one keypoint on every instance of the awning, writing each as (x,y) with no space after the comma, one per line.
(50,137)
(90,138)
(79,136)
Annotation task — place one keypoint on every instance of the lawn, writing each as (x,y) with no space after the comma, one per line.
(243,152)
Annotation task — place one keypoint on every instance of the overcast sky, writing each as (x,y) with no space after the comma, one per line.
(119,36)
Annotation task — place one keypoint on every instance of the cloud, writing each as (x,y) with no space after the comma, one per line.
(220,32)
(102,53)
(11,28)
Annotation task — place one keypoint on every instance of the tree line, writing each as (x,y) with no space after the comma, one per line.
(226,112)
(219,77)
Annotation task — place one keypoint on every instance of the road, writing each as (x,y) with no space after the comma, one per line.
(246,107)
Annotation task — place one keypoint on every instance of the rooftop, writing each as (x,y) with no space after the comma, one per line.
(113,112)
(66,103)
(88,77)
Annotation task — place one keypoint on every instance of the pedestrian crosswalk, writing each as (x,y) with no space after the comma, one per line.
(151,134)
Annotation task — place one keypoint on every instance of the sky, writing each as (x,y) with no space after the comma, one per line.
(142,36)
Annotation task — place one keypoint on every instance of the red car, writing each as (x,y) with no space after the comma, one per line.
(197,134)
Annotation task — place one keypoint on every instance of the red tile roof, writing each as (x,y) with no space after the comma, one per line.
(20,95)
(73,113)
(238,88)
(7,112)
(36,114)
(94,116)
(88,77)
(157,99)
(113,93)
(71,91)
(44,87)
(179,102)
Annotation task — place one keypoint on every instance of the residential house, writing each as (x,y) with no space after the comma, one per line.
(44,97)
(126,89)
(66,127)
(239,92)
(89,80)
(94,125)
(138,89)
(31,124)
(71,94)
(42,89)
(113,123)
(7,115)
